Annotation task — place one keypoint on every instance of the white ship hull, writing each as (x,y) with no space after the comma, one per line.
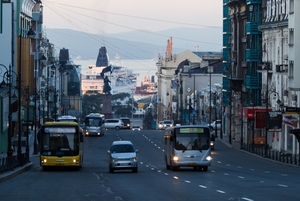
(121,80)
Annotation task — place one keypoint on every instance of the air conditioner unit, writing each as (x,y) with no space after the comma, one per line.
(285,57)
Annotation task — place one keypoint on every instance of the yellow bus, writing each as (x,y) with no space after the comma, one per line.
(61,144)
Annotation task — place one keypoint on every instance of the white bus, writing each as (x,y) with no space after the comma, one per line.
(93,124)
(187,146)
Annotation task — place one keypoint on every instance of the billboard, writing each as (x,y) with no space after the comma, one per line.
(275,121)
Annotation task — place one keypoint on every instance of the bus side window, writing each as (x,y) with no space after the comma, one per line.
(81,137)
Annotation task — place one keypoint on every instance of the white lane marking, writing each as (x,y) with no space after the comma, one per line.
(158,147)
(262,181)
(241,177)
(175,177)
(267,172)
(227,164)
(226,174)
(186,181)
(155,145)
(142,163)
(212,171)
(284,175)
(152,169)
(147,165)
(239,167)
(282,185)
(201,186)
(166,173)
(96,175)
(219,191)
(252,169)
(248,199)
(219,162)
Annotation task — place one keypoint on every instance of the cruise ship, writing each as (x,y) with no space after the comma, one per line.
(122,80)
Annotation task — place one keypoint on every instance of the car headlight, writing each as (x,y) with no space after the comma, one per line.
(134,159)
(211,143)
(175,158)
(208,158)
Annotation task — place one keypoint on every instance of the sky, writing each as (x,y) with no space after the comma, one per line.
(115,16)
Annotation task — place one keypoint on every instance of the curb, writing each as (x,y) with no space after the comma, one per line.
(11,174)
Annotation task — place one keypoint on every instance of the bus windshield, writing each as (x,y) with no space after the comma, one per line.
(93,121)
(56,139)
(192,139)
(191,142)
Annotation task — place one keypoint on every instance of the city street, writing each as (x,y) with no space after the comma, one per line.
(234,175)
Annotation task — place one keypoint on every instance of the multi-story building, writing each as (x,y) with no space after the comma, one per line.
(259,55)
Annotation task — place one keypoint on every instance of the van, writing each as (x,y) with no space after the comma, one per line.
(126,122)
(113,124)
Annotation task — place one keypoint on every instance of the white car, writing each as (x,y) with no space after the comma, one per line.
(160,125)
(167,124)
(113,124)
(122,155)
(215,124)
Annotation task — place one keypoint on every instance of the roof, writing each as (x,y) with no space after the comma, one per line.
(121,142)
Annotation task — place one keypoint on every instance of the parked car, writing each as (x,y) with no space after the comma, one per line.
(122,155)
(167,124)
(136,128)
(126,122)
(213,125)
(113,124)
(160,125)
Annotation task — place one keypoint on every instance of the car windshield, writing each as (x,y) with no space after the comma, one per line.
(122,148)
(168,122)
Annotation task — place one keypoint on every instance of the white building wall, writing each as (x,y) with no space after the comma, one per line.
(6,36)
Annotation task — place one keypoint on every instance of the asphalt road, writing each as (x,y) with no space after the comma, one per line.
(234,175)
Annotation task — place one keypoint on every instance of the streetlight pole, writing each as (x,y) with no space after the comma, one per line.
(132,104)
(210,71)
(27,125)
(267,107)
(9,83)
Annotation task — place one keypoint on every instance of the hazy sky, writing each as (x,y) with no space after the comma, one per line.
(113,16)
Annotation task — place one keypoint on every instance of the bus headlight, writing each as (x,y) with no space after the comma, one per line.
(44,160)
(75,161)
(175,158)
(208,158)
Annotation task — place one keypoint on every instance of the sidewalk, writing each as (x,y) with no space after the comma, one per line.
(272,155)
(10,174)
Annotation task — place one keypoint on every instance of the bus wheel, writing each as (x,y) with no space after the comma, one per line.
(168,166)
(45,168)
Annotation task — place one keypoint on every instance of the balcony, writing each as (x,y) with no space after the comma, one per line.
(252,55)
(252,28)
(248,2)
(253,82)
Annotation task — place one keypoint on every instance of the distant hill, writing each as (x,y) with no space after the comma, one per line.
(135,45)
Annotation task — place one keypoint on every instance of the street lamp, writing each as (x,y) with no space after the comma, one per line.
(9,83)
(194,100)
(132,90)
(210,70)
(267,105)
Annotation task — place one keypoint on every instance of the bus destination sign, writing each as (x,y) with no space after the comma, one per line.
(191,130)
